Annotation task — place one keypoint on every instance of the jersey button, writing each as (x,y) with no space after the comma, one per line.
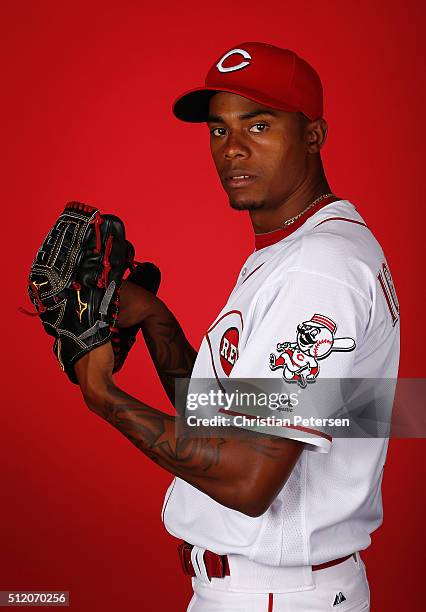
(244,272)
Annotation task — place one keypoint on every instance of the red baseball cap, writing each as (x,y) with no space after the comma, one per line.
(266,74)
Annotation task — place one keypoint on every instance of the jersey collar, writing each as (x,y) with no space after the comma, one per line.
(267,239)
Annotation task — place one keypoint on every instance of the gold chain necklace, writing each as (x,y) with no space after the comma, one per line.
(311,205)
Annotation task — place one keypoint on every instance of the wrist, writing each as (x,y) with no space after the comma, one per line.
(94,375)
(136,305)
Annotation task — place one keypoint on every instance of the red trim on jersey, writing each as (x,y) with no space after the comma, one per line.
(341,219)
(212,360)
(308,430)
(311,431)
(252,272)
(264,240)
(226,315)
(270,602)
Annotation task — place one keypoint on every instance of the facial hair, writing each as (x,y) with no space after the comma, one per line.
(246,205)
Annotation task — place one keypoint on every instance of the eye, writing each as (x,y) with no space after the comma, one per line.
(259,127)
(218,131)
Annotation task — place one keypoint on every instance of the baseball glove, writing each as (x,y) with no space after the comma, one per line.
(75,281)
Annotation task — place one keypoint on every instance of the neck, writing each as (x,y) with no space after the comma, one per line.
(269,219)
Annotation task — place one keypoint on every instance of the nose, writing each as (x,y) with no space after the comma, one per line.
(235,147)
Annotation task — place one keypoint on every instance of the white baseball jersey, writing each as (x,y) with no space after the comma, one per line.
(314,300)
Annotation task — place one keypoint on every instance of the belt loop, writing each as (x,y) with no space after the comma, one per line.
(197,560)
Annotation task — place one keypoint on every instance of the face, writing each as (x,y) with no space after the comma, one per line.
(314,341)
(306,335)
(261,154)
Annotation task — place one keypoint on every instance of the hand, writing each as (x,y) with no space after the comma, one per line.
(281,346)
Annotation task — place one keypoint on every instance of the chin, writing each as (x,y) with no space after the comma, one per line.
(245,204)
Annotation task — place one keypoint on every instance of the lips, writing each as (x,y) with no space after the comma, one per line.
(239,178)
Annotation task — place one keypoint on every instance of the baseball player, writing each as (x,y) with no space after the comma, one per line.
(269,522)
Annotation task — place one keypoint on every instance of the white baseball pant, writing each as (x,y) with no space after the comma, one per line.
(340,588)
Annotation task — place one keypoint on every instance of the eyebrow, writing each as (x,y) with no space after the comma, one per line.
(251,115)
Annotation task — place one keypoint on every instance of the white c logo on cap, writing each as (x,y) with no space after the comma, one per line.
(245,54)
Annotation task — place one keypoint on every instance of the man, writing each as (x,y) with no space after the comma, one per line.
(269,523)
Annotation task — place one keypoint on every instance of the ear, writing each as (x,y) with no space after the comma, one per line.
(343,344)
(316,132)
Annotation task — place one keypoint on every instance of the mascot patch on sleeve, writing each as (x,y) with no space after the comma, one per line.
(314,341)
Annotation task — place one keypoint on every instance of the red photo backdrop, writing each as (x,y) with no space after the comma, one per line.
(87,91)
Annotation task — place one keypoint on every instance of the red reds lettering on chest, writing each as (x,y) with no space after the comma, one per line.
(228,349)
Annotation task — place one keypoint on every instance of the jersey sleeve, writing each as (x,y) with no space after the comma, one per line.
(307,331)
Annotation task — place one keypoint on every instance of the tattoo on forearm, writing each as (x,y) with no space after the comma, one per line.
(154,434)
(215,465)
(170,351)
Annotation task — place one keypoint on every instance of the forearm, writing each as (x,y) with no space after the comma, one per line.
(241,469)
(206,463)
(170,351)
(228,469)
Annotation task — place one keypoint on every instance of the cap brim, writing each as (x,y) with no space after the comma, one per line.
(193,105)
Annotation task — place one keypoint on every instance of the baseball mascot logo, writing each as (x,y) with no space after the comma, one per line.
(314,341)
